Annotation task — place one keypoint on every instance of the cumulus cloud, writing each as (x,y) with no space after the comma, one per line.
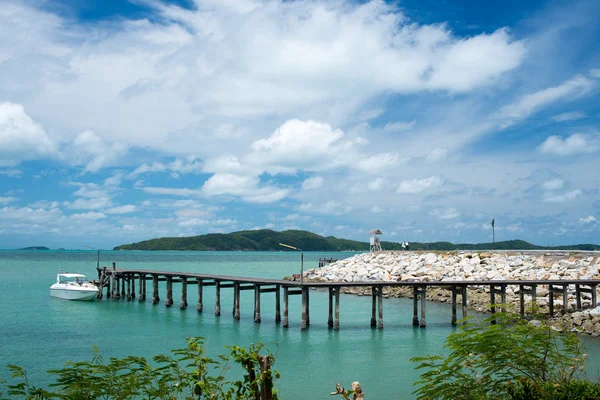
(553,184)
(248,188)
(21,138)
(177,166)
(88,216)
(588,220)
(414,186)
(6,200)
(91,150)
(449,213)
(572,145)
(562,198)
(313,183)
(331,207)
(128,208)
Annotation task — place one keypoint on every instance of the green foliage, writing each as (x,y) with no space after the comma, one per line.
(526,389)
(487,359)
(187,374)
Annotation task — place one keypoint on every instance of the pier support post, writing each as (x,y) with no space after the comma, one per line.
(415,320)
(578,296)
(117,295)
(236,301)
(303,323)
(184,303)
(423,321)
(594,300)
(464,302)
(123,294)
(256,303)
(217,298)
(200,306)
(277,304)
(285,306)
(373,306)
(330,316)
(336,321)
(453,305)
(143,283)
(565,294)
(129,276)
(522,301)
(380,307)
(132,276)
(307,306)
(169,301)
(155,296)
(492,303)
(550,301)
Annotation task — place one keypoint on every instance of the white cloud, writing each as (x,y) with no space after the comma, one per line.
(313,183)
(21,138)
(128,208)
(595,73)
(436,155)
(331,207)
(574,144)
(449,213)
(6,200)
(530,103)
(213,69)
(414,186)
(377,162)
(376,209)
(89,216)
(399,126)
(91,150)
(246,187)
(588,220)
(13,173)
(377,184)
(553,184)
(297,145)
(568,116)
(562,198)
(183,192)
(177,166)
(96,203)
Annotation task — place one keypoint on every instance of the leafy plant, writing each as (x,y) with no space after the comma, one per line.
(486,360)
(187,374)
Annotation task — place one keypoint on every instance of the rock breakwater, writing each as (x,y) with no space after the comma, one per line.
(408,266)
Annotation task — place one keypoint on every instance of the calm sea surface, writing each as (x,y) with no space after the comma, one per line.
(39,332)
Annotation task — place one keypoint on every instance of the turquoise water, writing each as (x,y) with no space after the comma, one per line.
(39,332)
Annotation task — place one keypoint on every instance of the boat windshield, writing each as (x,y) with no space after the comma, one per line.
(72,279)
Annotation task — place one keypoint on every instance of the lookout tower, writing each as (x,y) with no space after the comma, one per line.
(375,244)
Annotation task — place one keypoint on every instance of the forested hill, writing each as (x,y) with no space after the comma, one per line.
(268,240)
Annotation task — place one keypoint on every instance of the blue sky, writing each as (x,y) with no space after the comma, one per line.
(123,121)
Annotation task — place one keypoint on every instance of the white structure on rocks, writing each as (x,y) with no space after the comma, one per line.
(375,244)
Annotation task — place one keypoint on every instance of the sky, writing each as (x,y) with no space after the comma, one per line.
(122,121)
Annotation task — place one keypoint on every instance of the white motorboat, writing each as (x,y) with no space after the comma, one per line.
(73,287)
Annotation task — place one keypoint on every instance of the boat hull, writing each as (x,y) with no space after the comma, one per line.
(70,294)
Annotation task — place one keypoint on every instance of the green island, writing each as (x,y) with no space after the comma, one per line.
(268,240)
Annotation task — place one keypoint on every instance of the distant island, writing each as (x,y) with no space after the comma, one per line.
(35,248)
(268,240)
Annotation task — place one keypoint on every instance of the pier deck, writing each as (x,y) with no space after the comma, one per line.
(120,284)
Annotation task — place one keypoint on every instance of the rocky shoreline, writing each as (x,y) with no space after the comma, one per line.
(469,266)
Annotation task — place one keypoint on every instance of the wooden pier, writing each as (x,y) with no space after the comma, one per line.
(121,284)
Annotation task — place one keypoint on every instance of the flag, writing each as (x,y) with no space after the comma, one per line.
(492,222)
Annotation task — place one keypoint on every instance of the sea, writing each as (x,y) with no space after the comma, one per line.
(39,332)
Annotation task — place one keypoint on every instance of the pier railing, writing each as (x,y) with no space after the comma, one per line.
(121,284)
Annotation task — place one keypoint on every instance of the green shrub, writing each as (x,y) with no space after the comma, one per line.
(487,359)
